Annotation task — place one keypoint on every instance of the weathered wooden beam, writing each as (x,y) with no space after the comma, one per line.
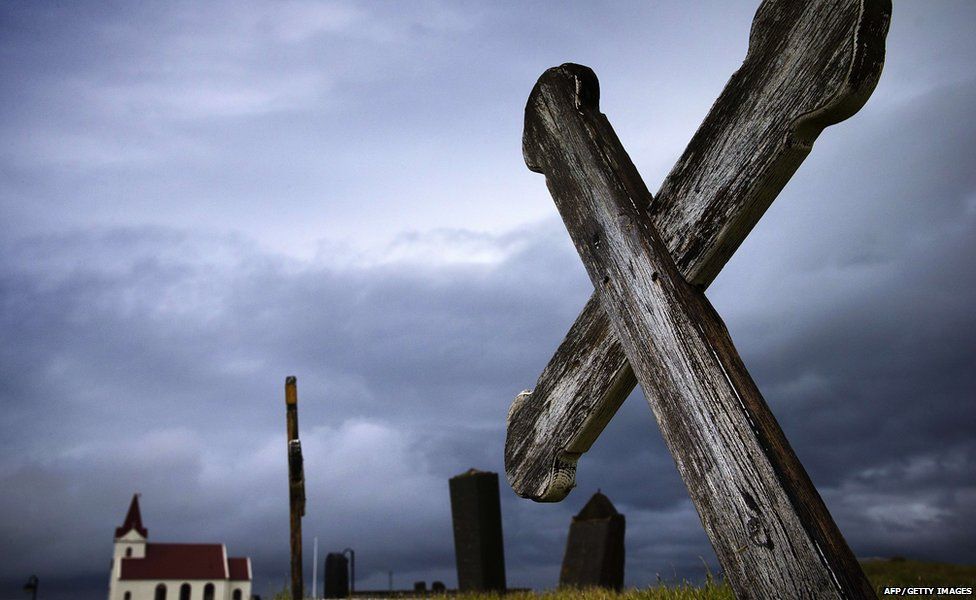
(811,63)
(296,488)
(768,525)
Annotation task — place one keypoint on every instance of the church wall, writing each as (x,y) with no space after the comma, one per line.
(132,542)
(146,589)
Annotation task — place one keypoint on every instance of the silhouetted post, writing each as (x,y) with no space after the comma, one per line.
(352,569)
(595,547)
(477,516)
(296,487)
(336,576)
(31,586)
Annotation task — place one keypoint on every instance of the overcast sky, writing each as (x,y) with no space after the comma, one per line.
(197,200)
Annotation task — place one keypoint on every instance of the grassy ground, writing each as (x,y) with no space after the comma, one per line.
(882,573)
(709,591)
(913,573)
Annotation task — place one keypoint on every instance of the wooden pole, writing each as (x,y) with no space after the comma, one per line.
(296,487)
(291,406)
(769,527)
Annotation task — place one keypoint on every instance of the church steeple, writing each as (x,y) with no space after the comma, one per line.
(133,520)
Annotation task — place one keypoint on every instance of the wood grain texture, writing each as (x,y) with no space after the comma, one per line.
(810,63)
(769,527)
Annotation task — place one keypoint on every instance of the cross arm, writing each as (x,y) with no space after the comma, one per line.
(810,63)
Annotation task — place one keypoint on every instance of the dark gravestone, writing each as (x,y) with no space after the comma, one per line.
(438,587)
(336,575)
(420,587)
(477,516)
(595,548)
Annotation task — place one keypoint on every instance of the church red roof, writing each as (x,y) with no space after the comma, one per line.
(133,520)
(240,568)
(177,561)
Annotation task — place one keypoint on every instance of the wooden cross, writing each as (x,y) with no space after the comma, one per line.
(810,64)
(296,487)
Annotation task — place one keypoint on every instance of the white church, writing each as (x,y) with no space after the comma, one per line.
(144,571)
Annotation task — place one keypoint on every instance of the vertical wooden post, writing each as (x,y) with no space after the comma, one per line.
(291,406)
(296,487)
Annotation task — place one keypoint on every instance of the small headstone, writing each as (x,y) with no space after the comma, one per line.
(336,575)
(595,547)
(438,587)
(478,547)
(420,587)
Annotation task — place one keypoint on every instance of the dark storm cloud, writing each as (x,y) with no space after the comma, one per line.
(256,112)
(862,313)
(152,360)
(169,167)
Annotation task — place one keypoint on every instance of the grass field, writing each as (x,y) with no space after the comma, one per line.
(883,573)
(708,591)
(899,572)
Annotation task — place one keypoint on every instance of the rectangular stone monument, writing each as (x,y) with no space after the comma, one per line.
(336,576)
(477,515)
(595,547)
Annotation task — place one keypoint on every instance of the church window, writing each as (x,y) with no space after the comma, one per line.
(128,551)
(185,591)
(160,592)
(208,592)
(237,594)
(127,596)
